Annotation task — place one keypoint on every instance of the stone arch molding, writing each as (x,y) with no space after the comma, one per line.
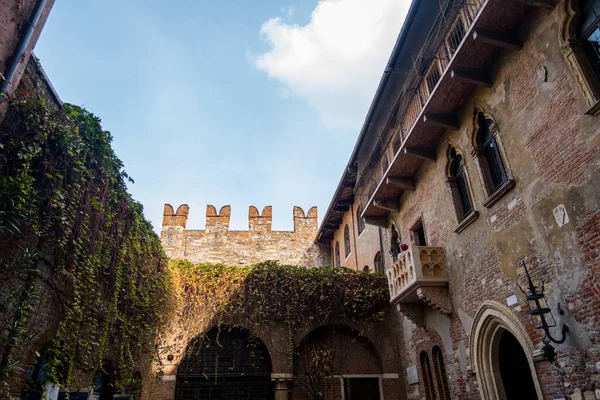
(572,49)
(490,321)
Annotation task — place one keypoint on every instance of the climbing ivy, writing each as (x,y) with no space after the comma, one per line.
(269,294)
(66,214)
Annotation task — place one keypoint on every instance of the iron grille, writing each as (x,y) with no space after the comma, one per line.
(229,364)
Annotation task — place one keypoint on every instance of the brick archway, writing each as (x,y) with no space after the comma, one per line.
(225,362)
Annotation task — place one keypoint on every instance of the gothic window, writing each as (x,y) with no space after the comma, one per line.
(589,32)
(494,170)
(366,268)
(458,183)
(489,143)
(347,241)
(580,42)
(338,263)
(440,374)
(378,262)
(360,220)
(427,376)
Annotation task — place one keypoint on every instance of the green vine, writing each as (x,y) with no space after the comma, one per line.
(63,198)
(269,294)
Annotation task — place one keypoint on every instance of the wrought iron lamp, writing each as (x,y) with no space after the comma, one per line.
(541,315)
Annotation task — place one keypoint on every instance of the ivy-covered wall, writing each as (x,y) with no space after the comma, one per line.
(83,274)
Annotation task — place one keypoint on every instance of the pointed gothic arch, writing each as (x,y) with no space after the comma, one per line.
(572,46)
(490,324)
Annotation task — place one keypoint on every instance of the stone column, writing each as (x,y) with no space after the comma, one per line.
(281,383)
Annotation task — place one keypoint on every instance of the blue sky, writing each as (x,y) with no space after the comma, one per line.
(229,102)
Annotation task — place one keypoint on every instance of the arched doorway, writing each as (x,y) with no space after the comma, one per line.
(335,362)
(514,368)
(225,363)
(502,355)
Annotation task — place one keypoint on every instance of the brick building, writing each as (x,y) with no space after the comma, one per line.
(479,154)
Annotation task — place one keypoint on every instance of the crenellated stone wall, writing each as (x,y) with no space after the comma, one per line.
(217,244)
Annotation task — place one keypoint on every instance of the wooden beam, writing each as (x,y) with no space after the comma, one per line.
(425,153)
(387,205)
(377,221)
(505,40)
(400,182)
(448,121)
(473,76)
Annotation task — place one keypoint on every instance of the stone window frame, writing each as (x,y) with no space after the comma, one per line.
(462,219)
(426,375)
(491,194)
(439,370)
(360,221)
(490,320)
(378,260)
(347,246)
(338,260)
(573,51)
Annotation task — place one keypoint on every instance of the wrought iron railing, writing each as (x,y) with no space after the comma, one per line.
(429,66)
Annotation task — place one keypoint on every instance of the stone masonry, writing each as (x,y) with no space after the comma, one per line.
(218,244)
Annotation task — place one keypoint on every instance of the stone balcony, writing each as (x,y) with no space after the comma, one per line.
(418,278)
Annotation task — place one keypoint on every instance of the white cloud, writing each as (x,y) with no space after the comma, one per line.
(336,60)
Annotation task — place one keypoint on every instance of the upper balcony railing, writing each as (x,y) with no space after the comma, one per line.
(429,66)
(417,267)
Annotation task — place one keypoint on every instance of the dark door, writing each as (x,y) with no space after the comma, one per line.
(514,369)
(361,388)
(225,364)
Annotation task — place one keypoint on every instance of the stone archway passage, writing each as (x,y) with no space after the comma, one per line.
(229,363)
(503,355)
(514,369)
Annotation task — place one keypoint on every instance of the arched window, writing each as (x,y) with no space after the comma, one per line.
(366,268)
(580,42)
(394,243)
(378,262)
(589,32)
(346,241)
(360,221)
(486,139)
(440,373)
(459,185)
(427,376)
(338,262)
(496,176)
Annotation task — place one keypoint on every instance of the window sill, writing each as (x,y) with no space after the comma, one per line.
(468,220)
(594,110)
(498,193)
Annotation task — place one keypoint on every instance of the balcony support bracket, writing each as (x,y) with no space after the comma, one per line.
(471,76)
(387,205)
(400,182)
(377,221)
(436,298)
(414,312)
(504,40)
(425,153)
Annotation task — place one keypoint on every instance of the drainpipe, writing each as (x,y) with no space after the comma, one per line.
(21,48)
